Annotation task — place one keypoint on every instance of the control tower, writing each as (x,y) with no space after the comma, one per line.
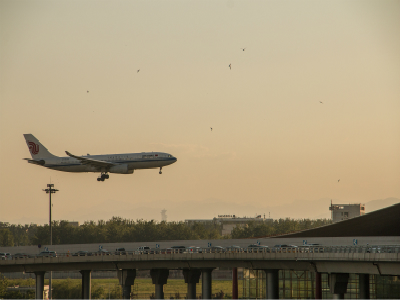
(341,212)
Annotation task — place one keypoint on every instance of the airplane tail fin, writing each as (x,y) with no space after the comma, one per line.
(36,149)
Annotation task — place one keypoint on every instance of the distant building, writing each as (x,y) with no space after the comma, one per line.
(341,212)
(164,215)
(73,223)
(227,222)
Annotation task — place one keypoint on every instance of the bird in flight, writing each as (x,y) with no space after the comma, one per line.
(138,71)
(321,102)
(243,49)
(87,91)
(338,180)
(230,67)
(211,128)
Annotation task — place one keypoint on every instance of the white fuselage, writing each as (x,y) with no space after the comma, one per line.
(134,161)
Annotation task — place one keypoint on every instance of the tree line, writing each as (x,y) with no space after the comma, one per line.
(118,230)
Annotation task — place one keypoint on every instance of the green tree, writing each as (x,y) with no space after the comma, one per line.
(6,237)
(3,286)
(67,289)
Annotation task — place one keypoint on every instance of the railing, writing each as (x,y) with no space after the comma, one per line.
(227,250)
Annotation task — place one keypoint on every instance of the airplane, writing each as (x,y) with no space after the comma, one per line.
(124,163)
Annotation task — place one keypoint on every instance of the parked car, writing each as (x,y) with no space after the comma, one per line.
(5,256)
(20,255)
(102,252)
(234,249)
(280,248)
(120,251)
(166,251)
(144,250)
(194,249)
(82,253)
(217,249)
(178,249)
(374,249)
(46,254)
(256,248)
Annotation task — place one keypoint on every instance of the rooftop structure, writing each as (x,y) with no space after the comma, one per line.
(382,222)
(341,212)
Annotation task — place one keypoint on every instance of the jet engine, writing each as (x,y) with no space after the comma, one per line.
(120,169)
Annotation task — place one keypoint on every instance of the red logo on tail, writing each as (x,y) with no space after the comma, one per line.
(33,148)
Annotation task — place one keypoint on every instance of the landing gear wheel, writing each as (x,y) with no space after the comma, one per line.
(160,171)
(103,176)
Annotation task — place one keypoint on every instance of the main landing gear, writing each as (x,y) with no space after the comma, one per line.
(160,171)
(103,176)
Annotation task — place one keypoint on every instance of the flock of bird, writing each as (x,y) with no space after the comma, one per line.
(230,68)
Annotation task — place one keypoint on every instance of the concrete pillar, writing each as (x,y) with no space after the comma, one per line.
(50,285)
(338,284)
(206,283)
(39,284)
(126,280)
(86,284)
(363,280)
(272,284)
(318,285)
(191,278)
(159,277)
(235,289)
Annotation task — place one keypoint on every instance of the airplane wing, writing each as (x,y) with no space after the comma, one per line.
(93,162)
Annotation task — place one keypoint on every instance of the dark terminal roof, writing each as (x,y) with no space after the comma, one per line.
(382,222)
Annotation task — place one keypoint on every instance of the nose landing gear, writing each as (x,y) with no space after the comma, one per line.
(160,171)
(103,176)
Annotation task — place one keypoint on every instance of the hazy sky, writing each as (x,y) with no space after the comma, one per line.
(272,143)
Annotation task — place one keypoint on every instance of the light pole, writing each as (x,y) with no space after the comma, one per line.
(50,190)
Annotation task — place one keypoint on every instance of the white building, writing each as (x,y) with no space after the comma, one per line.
(341,212)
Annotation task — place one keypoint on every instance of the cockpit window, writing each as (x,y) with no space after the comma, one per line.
(169,155)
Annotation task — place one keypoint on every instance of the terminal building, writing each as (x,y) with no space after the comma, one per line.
(383,223)
(341,212)
(227,223)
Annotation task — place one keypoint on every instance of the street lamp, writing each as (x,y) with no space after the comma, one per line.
(50,190)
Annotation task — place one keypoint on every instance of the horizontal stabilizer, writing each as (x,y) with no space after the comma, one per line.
(37,162)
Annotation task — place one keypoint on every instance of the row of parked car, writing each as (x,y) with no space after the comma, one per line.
(286,248)
(141,250)
(8,256)
(195,249)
